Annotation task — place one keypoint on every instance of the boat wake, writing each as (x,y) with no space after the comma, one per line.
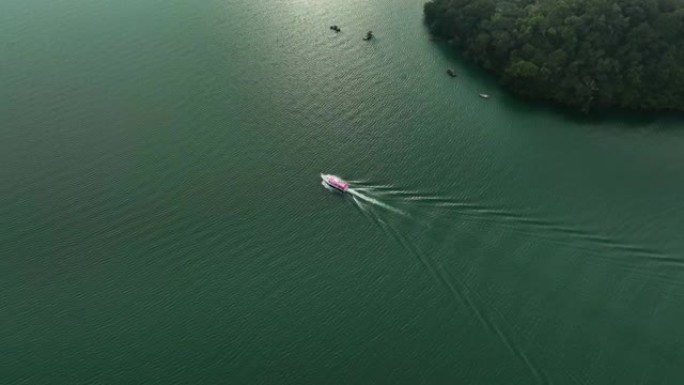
(372,202)
(433,215)
(368,199)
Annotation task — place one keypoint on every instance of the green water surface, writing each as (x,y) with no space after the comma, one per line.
(162,219)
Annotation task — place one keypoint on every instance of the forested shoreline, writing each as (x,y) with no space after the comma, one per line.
(585,54)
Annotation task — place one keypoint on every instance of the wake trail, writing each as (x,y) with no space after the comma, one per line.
(456,287)
(369,198)
(361,207)
(538,228)
(460,291)
(492,325)
(555,232)
(414,250)
(376,202)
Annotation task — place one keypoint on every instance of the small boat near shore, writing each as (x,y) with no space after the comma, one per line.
(335,182)
(484,96)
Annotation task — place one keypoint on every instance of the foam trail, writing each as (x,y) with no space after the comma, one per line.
(361,206)
(363,189)
(327,187)
(376,202)
(462,293)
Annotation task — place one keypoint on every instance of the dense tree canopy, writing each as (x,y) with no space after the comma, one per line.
(586,54)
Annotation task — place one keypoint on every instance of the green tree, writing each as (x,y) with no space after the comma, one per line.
(582,53)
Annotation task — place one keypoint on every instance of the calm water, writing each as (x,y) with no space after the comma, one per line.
(162,219)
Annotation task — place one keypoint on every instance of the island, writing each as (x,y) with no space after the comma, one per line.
(585,54)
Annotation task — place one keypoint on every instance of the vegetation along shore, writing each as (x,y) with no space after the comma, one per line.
(584,54)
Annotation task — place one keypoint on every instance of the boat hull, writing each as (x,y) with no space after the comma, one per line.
(335,182)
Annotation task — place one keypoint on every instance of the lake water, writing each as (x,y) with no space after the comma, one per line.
(162,219)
